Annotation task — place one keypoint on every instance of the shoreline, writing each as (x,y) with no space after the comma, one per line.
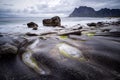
(64,54)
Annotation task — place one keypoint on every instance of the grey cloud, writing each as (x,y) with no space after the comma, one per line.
(5,10)
(98,4)
(43,6)
(66,6)
(8,4)
(63,7)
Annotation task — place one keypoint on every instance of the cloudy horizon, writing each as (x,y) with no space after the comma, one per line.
(45,8)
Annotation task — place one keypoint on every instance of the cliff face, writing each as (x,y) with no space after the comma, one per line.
(84,11)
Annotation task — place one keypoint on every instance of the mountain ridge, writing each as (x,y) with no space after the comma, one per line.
(84,11)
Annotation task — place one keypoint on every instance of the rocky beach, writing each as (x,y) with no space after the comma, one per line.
(79,52)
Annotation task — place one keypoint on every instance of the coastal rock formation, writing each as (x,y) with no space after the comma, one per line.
(89,56)
(31,34)
(8,49)
(54,21)
(71,32)
(32,25)
(84,11)
(9,45)
(92,24)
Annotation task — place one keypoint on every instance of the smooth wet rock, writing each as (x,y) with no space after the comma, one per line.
(54,21)
(115,31)
(31,34)
(105,30)
(8,49)
(92,24)
(66,60)
(6,39)
(31,62)
(70,51)
(80,38)
(32,25)
(71,32)
(48,33)
(77,27)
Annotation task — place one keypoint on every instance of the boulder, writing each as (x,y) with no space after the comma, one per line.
(100,24)
(47,22)
(92,24)
(32,25)
(54,21)
(8,49)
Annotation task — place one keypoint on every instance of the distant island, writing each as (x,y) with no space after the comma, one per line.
(84,11)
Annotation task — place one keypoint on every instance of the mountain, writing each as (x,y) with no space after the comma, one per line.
(84,11)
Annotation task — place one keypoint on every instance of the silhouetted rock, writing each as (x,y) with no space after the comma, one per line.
(100,24)
(84,11)
(32,25)
(92,24)
(54,21)
(31,34)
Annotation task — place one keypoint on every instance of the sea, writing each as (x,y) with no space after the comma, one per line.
(18,25)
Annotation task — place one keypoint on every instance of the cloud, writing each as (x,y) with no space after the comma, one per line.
(51,7)
(98,4)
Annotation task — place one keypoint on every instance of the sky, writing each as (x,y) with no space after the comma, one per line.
(47,8)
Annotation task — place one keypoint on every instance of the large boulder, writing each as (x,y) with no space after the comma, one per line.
(54,21)
(32,25)
(47,22)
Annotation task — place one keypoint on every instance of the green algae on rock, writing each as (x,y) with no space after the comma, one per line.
(28,60)
(70,51)
(63,37)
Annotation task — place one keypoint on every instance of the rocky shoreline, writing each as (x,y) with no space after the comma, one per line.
(77,53)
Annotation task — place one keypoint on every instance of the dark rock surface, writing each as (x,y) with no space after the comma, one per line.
(54,21)
(88,56)
(102,60)
(31,34)
(32,25)
(92,24)
(84,11)
(9,45)
(73,32)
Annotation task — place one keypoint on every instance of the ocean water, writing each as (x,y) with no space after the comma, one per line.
(18,25)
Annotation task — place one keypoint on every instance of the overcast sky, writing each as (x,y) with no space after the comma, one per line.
(42,8)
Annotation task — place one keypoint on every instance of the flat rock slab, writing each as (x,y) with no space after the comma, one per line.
(74,32)
(61,59)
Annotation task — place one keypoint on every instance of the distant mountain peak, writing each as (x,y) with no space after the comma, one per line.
(84,11)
